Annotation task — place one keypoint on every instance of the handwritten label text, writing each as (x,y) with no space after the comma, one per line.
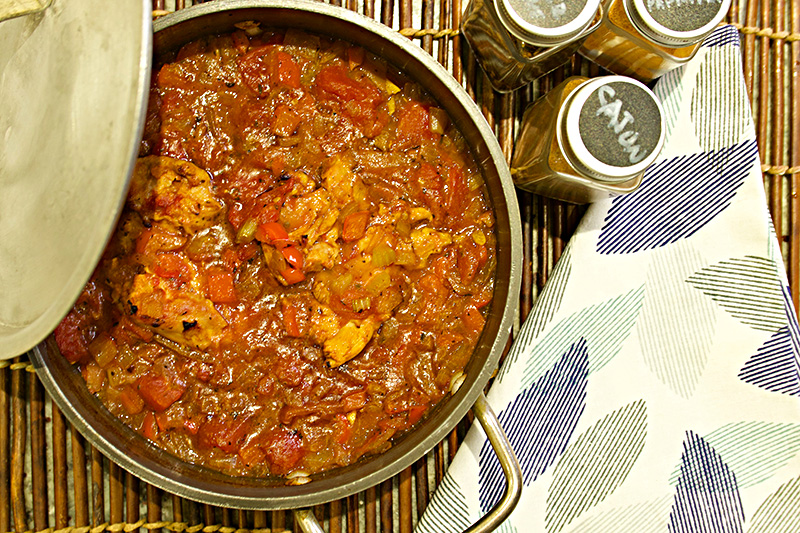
(618,121)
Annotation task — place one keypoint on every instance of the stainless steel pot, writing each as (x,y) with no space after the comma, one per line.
(136,454)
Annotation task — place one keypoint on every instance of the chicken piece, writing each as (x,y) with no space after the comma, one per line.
(340,343)
(321,255)
(309,216)
(325,324)
(418,214)
(374,236)
(180,314)
(402,212)
(173,192)
(348,341)
(427,241)
(303,184)
(339,180)
(321,290)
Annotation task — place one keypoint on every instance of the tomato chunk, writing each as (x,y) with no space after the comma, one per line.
(415,414)
(149,426)
(293,275)
(413,125)
(255,69)
(286,121)
(344,429)
(131,401)
(220,287)
(355,226)
(473,319)
(224,432)
(359,98)
(290,320)
(284,70)
(158,393)
(273,233)
(284,449)
(293,256)
(172,267)
(71,339)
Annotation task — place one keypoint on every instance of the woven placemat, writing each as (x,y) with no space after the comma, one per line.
(52,480)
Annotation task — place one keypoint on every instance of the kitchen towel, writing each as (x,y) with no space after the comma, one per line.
(655,386)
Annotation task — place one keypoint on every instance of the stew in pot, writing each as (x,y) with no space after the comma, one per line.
(300,270)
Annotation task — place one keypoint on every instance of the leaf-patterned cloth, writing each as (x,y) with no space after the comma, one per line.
(655,387)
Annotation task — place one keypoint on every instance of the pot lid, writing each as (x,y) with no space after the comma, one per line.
(73,92)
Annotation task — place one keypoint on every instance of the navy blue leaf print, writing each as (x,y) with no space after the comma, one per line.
(707,497)
(539,422)
(722,36)
(791,321)
(676,199)
(776,365)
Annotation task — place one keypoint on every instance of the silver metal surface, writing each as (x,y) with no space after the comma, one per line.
(73,90)
(136,454)
(508,462)
(18,8)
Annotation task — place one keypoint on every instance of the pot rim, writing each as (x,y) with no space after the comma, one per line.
(128,449)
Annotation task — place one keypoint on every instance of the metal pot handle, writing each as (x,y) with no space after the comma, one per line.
(508,461)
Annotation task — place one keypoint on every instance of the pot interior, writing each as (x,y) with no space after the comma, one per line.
(134,453)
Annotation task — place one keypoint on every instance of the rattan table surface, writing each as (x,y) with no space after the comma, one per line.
(50,478)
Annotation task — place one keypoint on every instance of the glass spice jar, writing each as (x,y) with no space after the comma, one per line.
(588,139)
(647,38)
(518,41)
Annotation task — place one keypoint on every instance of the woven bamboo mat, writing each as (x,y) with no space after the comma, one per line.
(50,478)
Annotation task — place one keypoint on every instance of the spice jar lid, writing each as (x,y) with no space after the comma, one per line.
(676,22)
(546,22)
(74,78)
(611,128)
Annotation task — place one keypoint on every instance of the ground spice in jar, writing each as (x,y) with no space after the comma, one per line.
(647,38)
(588,139)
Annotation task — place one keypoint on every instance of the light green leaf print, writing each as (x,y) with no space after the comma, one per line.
(754,450)
(638,517)
(720,108)
(448,511)
(550,300)
(543,311)
(672,305)
(507,527)
(670,89)
(748,288)
(605,326)
(596,464)
(780,511)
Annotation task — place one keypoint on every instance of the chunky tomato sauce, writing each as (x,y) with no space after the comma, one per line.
(300,270)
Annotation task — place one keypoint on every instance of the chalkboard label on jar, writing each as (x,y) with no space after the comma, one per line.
(547,13)
(620,123)
(683,15)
